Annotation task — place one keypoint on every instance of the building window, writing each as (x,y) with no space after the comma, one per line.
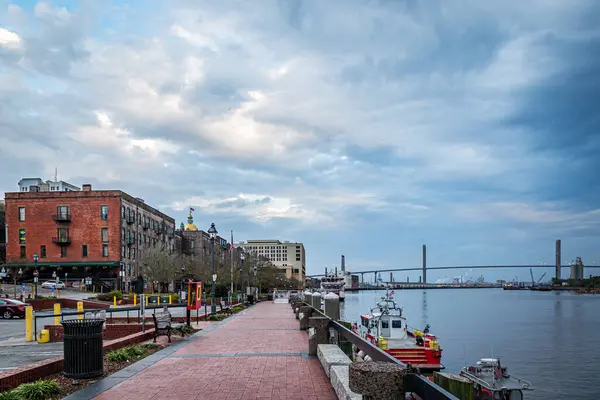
(133,253)
(104,250)
(21,214)
(123,212)
(297,258)
(295,271)
(63,234)
(128,252)
(104,212)
(63,252)
(133,237)
(63,212)
(43,251)
(23,252)
(128,269)
(122,251)
(22,236)
(133,215)
(192,244)
(123,234)
(104,235)
(84,252)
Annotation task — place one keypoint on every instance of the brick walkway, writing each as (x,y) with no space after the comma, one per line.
(258,354)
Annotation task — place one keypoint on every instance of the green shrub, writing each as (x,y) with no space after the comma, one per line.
(9,395)
(151,346)
(187,330)
(125,354)
(110,295)
(217,317)
(39,390)
(237,309)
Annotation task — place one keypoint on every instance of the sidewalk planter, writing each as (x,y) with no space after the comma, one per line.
(83,355)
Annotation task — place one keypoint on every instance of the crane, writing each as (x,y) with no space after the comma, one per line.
(533,282)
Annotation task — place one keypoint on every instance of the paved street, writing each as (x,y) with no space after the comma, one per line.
(259,353)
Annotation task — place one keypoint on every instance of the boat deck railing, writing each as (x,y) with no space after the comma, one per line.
(414,382)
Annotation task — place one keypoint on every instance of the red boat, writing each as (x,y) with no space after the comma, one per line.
(386,328)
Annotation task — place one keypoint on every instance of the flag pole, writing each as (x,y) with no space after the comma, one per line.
(231,257)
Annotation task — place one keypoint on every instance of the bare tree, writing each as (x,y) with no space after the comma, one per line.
(159,266)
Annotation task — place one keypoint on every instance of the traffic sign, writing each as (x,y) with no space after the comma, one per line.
(36,273)
(214,277)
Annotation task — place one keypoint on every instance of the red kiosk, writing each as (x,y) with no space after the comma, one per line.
(194,298)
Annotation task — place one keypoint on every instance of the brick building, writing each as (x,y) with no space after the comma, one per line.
(87,233)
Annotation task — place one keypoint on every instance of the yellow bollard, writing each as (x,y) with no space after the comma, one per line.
(170,299)
(158,299)
(135,300)
(56,312)
(93,289)
(115,301)
(29,324)
(146,301)
(80,309)
(57,294)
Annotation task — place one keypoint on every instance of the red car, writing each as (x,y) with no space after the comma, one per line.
(10,308)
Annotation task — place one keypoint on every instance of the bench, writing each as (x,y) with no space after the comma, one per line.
(163,325)
(225,308)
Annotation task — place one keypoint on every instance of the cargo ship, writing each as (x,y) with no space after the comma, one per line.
(385,327)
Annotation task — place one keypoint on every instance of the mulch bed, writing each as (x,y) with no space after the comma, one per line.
(69,385)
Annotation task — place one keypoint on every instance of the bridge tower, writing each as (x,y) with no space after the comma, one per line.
(424,264)
(557,260)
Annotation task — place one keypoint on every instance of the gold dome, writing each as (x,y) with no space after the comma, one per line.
(190,226)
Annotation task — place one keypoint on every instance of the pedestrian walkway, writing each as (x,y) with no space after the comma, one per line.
(257,354)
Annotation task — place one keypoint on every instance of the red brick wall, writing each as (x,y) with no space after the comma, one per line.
(84,227)
(111,332)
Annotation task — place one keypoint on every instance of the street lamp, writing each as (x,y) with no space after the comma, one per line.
(255,285)
(243,258)
(122,275)
(35,273)
(212,231)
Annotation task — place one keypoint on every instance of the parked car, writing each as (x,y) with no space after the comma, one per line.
(53,284)
(10,308)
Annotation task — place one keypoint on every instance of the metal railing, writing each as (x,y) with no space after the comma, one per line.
(414,382)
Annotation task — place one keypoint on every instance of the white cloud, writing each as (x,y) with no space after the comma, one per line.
(9,39)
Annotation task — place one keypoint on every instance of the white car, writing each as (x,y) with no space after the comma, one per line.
(53,284)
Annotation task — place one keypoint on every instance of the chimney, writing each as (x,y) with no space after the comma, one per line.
(343,263)
(87,187)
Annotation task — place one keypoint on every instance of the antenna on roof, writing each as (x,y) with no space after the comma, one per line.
(55,174)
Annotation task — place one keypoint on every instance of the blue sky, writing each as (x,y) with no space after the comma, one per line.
(364,128)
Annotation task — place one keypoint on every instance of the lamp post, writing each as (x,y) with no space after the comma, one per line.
(35,273)
(243,258)
(15,279)
(255,285)
(122,275)
(182,273)
(212,231)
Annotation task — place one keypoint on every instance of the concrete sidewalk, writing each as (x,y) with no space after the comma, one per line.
(257,354)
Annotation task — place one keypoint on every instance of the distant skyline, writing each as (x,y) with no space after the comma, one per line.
(363,128)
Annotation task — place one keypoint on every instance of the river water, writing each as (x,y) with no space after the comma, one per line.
(551,339)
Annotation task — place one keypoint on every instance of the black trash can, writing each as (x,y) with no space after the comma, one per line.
(250,299)
(83,355)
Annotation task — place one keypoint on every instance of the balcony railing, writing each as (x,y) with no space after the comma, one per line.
(62,217)
(62,240)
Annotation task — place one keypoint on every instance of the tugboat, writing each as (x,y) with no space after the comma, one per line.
(386,328)
(486,380)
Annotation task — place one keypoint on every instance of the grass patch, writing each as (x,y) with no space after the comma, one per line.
(40,390)
(131,353)
(237,309)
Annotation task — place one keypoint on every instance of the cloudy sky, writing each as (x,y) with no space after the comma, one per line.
(364,128)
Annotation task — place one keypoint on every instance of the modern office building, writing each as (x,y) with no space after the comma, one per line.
(287,256)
